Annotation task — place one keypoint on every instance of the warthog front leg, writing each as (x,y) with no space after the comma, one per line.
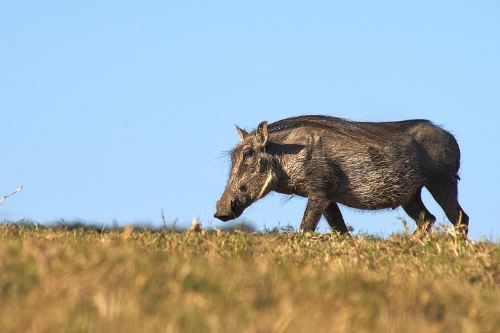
(312,215)
(335,219)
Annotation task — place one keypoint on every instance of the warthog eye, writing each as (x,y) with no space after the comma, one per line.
(247,155)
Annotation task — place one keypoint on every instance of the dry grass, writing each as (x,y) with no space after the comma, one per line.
(126,280)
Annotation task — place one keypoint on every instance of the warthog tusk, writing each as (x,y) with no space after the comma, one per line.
(266,185)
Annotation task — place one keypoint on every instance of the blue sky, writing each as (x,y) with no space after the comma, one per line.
(115,110)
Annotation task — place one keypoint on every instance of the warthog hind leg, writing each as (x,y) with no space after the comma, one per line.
(445,193)
(416,210)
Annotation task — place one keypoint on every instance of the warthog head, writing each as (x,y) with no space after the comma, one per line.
(252,174)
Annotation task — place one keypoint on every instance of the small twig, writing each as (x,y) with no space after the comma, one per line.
(163,220)
(405,224)
(5,197)
(20,221)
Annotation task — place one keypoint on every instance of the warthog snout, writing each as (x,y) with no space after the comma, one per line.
(228,209)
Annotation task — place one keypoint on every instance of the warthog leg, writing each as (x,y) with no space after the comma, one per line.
(446,193)
(334,217)
(416,210)
(312,215)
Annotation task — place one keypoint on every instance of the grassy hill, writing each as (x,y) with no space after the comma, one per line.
(130,280)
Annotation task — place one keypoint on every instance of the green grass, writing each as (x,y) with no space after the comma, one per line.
(125,280)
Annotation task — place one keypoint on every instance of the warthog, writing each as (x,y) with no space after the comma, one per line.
(364,165)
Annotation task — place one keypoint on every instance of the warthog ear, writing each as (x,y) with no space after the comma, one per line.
(263,133)
(242,133)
